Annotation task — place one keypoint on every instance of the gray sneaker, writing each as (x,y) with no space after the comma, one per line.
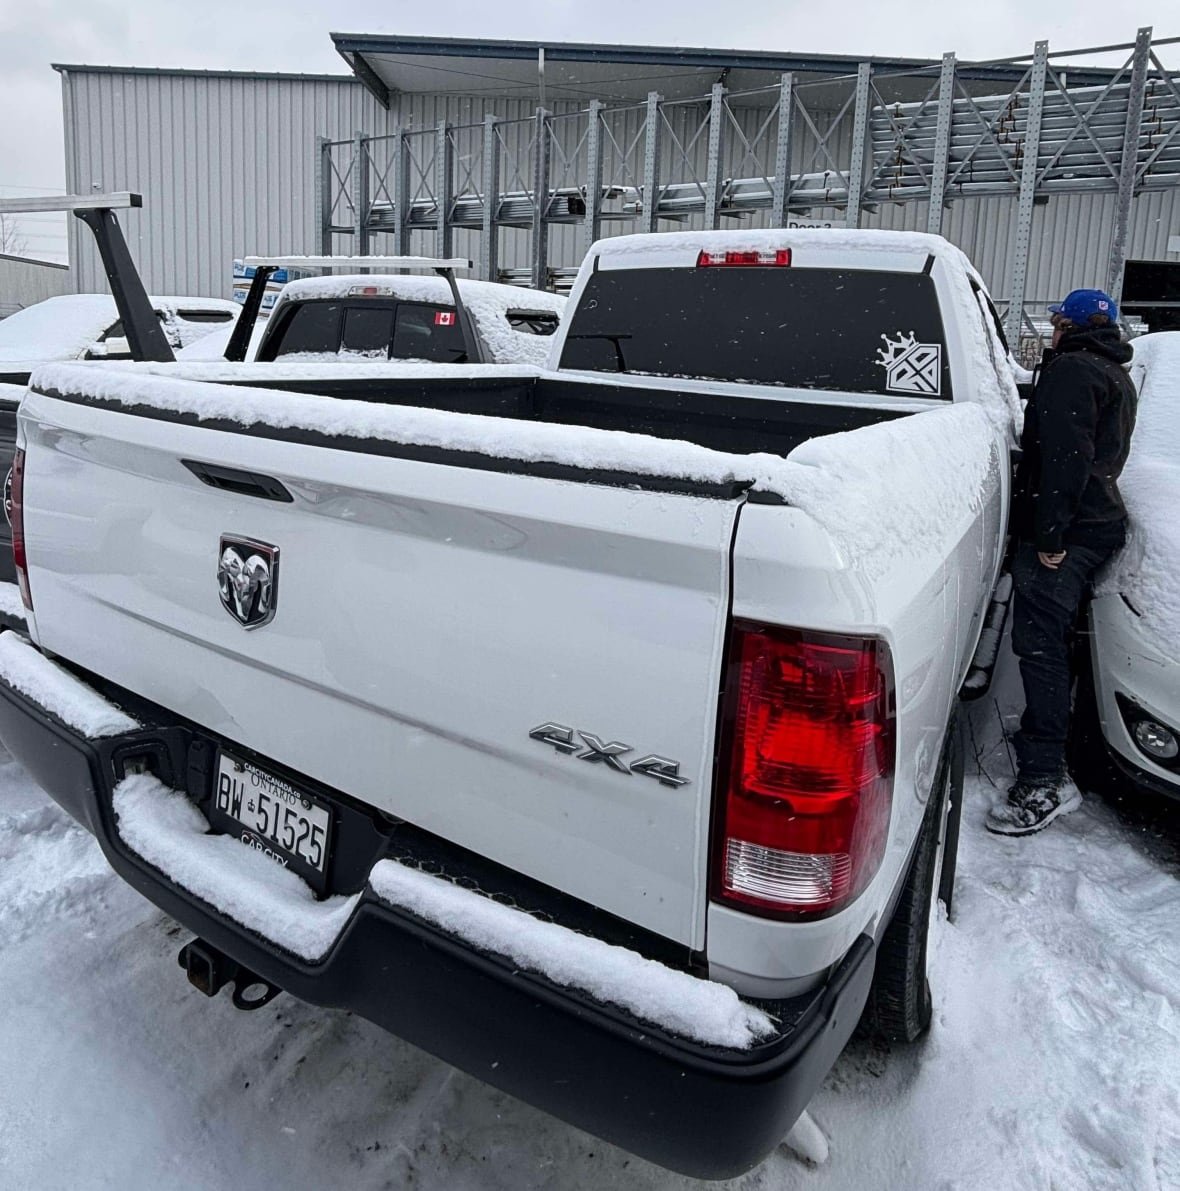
(1032,806)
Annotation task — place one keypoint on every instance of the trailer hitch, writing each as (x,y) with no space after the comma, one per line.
(210,970)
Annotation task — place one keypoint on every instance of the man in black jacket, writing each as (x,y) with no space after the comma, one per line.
(1068,519)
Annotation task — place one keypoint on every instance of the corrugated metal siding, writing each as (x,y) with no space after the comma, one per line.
(227,166)
(25,283)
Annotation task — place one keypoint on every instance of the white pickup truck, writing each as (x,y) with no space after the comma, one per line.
(593,730)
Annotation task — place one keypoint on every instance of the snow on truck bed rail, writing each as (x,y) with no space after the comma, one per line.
(922,477)
(163,827)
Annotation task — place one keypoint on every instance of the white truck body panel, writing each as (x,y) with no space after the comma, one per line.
(429,618)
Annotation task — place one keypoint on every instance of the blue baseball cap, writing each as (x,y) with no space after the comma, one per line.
(1082,303)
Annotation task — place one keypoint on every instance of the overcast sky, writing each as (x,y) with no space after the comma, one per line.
(283,36)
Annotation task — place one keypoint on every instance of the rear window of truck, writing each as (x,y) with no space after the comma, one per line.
(368,329)
(849,330)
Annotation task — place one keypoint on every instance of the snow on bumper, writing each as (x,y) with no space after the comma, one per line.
(59,692)
(164,828)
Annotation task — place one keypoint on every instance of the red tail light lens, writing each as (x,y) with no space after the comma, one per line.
(773,256)
(15,508)
(804,813)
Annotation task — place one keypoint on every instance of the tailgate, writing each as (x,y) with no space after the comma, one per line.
(469,650)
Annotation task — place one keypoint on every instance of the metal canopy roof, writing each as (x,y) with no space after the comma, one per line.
(576,72)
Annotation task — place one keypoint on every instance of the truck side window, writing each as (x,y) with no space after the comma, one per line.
(428,333)
(368,332)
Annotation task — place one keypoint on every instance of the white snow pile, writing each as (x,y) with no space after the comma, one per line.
(167,830)
(922,476)
(488,303)
(12,394)
(10,602)
(702,1009)
(58,691)
(1147,570)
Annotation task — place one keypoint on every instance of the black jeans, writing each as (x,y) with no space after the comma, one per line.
(1043,616)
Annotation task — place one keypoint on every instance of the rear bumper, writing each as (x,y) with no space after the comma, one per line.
(701,1110)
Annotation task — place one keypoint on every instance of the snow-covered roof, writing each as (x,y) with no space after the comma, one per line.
(1148,568)
(844,240)
(487,301)
(62,328)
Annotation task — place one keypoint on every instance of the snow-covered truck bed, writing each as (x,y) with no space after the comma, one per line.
(593,728)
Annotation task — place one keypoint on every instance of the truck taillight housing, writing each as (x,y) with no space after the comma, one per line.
(16,520)
(768,256)
(806,783)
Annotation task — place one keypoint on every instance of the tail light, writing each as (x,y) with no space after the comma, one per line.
(14,507)
(806,791)
(773,256)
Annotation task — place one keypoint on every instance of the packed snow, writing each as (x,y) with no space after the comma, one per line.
(700,1009)
(1146,571)
(1050,1064)
(58,691)
(924,476)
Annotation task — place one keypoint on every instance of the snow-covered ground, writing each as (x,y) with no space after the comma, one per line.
(1052,1062)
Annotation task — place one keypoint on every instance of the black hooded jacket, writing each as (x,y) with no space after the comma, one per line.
(1077,432)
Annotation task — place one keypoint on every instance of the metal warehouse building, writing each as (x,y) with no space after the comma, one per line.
(519,155)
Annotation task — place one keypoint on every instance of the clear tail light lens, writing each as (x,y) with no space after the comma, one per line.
(807,777)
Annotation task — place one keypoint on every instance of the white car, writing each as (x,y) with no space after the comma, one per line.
(1135,614)
(88,327)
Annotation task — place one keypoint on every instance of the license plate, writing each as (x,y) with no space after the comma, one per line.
(271,815)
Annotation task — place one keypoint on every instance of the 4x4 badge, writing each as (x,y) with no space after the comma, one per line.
(248,580)
(609,754)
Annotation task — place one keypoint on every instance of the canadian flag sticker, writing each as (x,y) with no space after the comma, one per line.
(444,318)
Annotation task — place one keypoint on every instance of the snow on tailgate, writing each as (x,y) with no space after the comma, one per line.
(883,492)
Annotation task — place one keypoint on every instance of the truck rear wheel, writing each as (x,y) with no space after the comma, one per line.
(899,1008)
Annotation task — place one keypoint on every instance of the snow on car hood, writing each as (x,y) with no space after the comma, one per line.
(63,328)
(1147,570)
(59,328)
